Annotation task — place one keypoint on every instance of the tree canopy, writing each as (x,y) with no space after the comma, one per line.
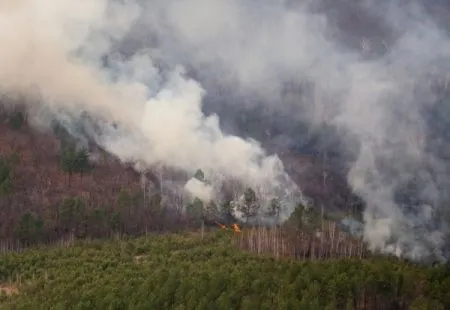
(74,160)
(184,272)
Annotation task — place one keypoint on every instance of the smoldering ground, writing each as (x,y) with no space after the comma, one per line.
(159,69)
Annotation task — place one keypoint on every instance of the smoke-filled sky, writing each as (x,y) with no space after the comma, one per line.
(149,66)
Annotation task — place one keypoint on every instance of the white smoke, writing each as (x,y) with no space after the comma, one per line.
(199,189)
(53,56)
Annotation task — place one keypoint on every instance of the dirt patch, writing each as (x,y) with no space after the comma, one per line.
(9,289)
(138,258)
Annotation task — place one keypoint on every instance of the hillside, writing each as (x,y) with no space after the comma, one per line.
(39,184)
(44,201)
(186,272)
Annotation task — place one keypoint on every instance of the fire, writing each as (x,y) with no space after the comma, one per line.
(235,227)
(221,225)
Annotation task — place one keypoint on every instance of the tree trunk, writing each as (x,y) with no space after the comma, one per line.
(202,228)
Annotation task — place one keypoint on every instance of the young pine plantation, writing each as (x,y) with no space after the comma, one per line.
(184,271)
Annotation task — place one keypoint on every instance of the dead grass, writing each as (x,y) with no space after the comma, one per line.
(9,289)
(138,258)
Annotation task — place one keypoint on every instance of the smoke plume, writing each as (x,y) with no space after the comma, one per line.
(370,70)
(56,58)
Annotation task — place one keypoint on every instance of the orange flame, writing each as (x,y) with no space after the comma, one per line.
(236,228)
(221,225)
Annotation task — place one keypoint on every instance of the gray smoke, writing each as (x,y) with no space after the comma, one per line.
(371,74)
(55,58)
(374,82)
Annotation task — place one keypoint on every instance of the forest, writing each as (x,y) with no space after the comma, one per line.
(188,271)
(95,211)
(50,195)
(122,247)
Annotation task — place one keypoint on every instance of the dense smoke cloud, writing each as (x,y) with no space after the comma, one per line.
(56,55)
(123,61)
(375,82)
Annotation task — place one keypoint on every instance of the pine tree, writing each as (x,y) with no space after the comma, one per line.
(195,210)
(73,160)
(275,208)
(249,207)
(200,175)
(29,228)
(72,214)
(17,120)
(5,177)
(211,211)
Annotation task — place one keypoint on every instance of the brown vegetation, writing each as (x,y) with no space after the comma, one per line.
(324,185)
(113,202)
(9,289)
(330,242)
(40,184)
